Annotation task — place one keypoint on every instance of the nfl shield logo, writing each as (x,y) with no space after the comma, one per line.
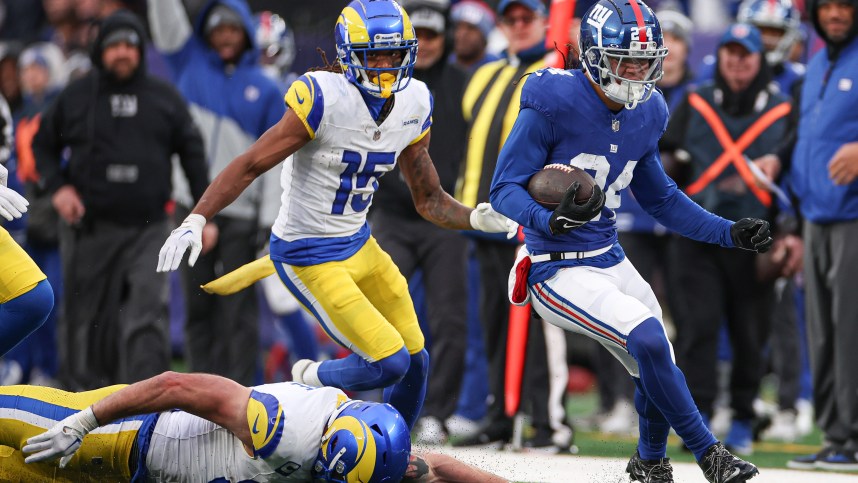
(615,125)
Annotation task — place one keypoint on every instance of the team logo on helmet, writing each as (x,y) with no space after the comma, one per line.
(365,442)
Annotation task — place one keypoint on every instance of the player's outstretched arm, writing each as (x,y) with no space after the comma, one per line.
(275,145)
(217,399)
(439,468)
(435,204)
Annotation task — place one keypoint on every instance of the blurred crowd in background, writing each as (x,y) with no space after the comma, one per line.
(46,44)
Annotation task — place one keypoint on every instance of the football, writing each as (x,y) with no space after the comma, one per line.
(548,186)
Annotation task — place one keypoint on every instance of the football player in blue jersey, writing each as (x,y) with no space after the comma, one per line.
(341,132)
(606,119)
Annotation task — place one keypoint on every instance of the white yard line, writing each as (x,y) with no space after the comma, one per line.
(531,467)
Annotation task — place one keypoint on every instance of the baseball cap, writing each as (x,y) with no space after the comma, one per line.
(745,35)
(124,34)
(534,5)
(427,18)
(476,13)
(222,15)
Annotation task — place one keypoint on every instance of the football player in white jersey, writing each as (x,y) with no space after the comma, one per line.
(201,427)
(343,131)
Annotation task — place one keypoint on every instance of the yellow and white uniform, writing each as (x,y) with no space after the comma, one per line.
(18,272)
(321,244)
(286,420)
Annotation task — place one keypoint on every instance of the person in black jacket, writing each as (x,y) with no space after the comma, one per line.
(716,128)
(120,128)
(415,243)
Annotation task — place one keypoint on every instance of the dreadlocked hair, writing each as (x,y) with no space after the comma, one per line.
(326,66)
(571,61)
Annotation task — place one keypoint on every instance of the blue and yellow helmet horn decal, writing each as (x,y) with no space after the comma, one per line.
(367,26)
(365,442)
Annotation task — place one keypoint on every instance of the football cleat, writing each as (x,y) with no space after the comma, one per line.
(720,466)
(649,471)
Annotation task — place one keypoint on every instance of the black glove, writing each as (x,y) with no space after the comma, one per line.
(752,234)
(569,215)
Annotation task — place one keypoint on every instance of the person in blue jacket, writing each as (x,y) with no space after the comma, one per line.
(217,69)
(607,119)
(824,177)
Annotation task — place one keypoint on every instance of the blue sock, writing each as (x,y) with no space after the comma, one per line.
(654,428)
(24,314)
(664,385)
(408,394)
(354,373)
(304,342)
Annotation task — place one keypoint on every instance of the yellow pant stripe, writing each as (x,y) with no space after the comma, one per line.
(362,302)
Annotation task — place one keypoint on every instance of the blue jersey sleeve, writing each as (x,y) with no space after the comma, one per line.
(523,154)
(659,196)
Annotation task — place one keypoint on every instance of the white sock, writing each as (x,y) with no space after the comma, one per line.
(306,372)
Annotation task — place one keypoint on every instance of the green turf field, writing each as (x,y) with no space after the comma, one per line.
(767,454)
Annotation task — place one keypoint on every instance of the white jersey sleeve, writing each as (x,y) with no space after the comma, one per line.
(328,184)
(286,421)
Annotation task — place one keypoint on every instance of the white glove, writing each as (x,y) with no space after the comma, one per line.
(511,229)
(188,234)
(62,440)
(12,205)
(485,218)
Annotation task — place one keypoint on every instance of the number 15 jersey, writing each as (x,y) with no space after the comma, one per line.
(328,184)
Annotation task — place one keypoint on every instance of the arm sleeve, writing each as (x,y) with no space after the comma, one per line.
(305,98)
(523,154)
(659,196)
(171,28)
(188,144)
(47,147)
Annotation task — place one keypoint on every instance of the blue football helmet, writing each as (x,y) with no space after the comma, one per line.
(777,14)
(617,35)
(367,26)
(275,40)
(365,442)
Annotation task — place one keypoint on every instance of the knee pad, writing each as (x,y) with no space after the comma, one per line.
(420,363)
(393,368)
(648,341)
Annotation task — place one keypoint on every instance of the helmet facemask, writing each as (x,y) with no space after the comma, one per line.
(384,81)
(608,63)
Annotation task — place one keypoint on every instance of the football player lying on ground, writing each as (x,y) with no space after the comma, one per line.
(607,118)
(202,427)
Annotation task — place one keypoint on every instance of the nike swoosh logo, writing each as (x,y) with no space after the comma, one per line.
(255,431)
(300,99)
